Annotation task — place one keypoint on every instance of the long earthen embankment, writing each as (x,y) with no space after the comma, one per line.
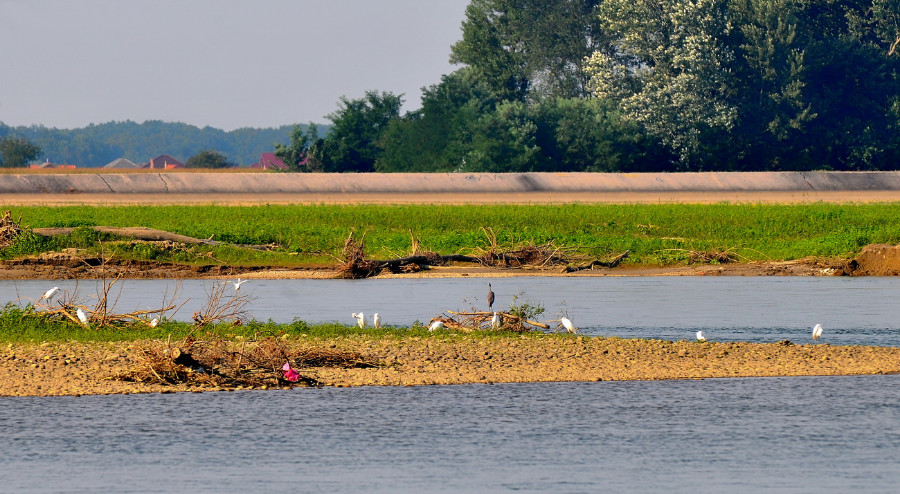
(240,188)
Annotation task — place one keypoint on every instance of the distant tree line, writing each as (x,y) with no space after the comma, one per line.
(97,145)
(639,85)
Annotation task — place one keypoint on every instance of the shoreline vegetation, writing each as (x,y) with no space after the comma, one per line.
(309,240)
(58,356)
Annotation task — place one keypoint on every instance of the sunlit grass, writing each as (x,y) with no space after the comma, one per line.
(657,234)
(20,324)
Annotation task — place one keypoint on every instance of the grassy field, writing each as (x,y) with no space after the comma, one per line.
(658,234)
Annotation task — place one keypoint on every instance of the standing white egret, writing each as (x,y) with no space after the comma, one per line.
(360,320)
(495,321)
(376,320)
(570,328)
(436,325)
(700,336)
(49,294)
(817,331)
(490,298)
(237,284)
(154,322)
(82,316)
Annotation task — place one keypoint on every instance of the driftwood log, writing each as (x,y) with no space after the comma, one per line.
(598,263)
(419,259)
(149,234)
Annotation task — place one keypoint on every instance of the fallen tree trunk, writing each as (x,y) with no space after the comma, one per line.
(604,264)
(141,233)
(429,260)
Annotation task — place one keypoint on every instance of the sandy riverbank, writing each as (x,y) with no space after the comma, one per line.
(51,369)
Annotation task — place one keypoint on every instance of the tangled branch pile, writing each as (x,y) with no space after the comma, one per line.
(529,255)
(355,265)
(226,363)
(9,229)
(481,321)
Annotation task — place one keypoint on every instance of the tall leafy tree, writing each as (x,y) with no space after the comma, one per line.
(208,159)
(535,48)
(357,126)
(296,152)
(17,151)
(668,70)
(437,137)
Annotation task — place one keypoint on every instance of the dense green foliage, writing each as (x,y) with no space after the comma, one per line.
(17,151)
(97,145)
(658,234)
(208,158)
(352,141)
(757,84)
(674,85)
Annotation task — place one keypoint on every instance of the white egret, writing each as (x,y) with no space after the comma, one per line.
(570,328)
(490,298)
(376,320)
(360,320)
(700,336)
(817,331)
(436,325)
(495,321)
(237,284)
(82,316)
(49,294)
(154,322)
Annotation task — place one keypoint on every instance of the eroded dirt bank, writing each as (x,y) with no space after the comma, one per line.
(74,368)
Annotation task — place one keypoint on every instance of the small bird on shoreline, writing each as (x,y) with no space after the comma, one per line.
(700,336)
(82,316)
(817,331)
(360,320)
(495,321)
(376,320)
(570,328)
(49,294)
(436,325)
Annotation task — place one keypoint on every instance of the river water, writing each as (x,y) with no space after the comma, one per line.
(800,434)
(757,309)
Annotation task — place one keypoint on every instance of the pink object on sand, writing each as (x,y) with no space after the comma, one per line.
(289,373)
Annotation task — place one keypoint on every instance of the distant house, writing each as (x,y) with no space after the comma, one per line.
(47,164)
(121,163)
(163,162)
(268,161)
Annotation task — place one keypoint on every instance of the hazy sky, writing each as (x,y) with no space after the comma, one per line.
(223,63)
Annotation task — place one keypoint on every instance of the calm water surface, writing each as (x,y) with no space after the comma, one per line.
(759,309)
(808,434)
